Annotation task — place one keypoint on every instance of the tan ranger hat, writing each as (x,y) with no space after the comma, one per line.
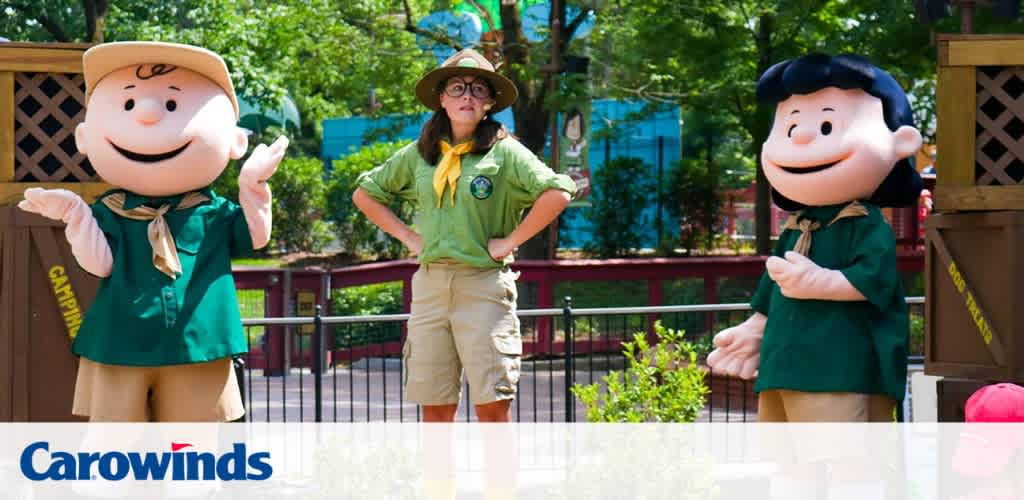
(465,62)
(103,59)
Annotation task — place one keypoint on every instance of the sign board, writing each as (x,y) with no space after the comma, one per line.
(574,149)
(305,305)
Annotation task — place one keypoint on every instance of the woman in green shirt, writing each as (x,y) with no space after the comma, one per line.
(470,181)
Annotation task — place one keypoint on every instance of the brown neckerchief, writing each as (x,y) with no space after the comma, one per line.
(806,226)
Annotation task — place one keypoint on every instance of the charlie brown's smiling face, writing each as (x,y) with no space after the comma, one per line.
(159,130)
(833,146)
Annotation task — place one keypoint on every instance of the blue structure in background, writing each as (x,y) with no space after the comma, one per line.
(655,139)
(343,136)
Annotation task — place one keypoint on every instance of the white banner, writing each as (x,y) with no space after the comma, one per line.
(535,461)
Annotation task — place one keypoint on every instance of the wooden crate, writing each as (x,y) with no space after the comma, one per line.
(42,100)
(43,293)
(980,163)
(974,281)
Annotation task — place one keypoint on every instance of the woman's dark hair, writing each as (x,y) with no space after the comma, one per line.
(814,72)
(488,132)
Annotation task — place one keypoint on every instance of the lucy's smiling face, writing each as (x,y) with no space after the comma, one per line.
(159,130)
(833,146)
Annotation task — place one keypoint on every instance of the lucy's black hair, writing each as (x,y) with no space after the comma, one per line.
(815,72)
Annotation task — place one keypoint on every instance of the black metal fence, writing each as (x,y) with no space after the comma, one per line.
(359,378)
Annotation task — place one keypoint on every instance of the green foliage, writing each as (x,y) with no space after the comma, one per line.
(298,205)
(298,191)
(662,383)
(622,189)
(916,335)
(913,284)
(746,38)
(587,294)
(326,54)
(252,304)
(356,233)
(695,201)
(380,298)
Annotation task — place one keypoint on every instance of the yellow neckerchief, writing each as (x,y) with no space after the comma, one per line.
(450,168)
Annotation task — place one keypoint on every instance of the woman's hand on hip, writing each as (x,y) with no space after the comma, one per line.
(499,248)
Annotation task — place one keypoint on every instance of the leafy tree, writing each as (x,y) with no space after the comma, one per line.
(298,203)
(707,55)
(623,189)
(713,161)
(697,203)
(54,20)
(330,56)
(355,232)
(298,206)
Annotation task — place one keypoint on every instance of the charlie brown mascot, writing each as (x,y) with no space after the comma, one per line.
(828,338)
(157,342)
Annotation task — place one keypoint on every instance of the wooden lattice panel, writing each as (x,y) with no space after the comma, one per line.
(999,156)
(47,108)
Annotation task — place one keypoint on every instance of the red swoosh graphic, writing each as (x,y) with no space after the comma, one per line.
(178,446)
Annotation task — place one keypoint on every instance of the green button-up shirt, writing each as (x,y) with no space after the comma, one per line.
(492,192)
(142,317)
(833,346)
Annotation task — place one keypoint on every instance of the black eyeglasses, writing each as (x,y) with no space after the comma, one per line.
(476,88)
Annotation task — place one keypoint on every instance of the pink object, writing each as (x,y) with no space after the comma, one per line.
(988,442)
(996,403)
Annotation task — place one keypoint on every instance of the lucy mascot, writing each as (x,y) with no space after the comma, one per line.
(828,338)
(157,342)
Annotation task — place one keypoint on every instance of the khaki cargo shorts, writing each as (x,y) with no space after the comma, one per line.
(200,392)
(821,443)
(462,317)
(781,405)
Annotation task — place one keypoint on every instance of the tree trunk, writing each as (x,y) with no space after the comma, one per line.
(759,132)
(710,214)
(531,118)
(51,26)
(95,19)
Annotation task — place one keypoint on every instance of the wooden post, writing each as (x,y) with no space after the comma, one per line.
(6,126)
(710,297)
(545,299)
(955,132)
(654,298)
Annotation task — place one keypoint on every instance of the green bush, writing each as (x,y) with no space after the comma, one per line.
(380,298)
(622,190)
(913,283)
(662,383)
(916,334)
(694,199)
(298,206)
(356,233)
(252,304)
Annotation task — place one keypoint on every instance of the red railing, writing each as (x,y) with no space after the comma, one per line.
(545,275)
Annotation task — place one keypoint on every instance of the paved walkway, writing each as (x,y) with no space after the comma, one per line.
(369,390)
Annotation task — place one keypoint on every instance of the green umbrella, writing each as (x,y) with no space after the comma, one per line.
(257,118)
